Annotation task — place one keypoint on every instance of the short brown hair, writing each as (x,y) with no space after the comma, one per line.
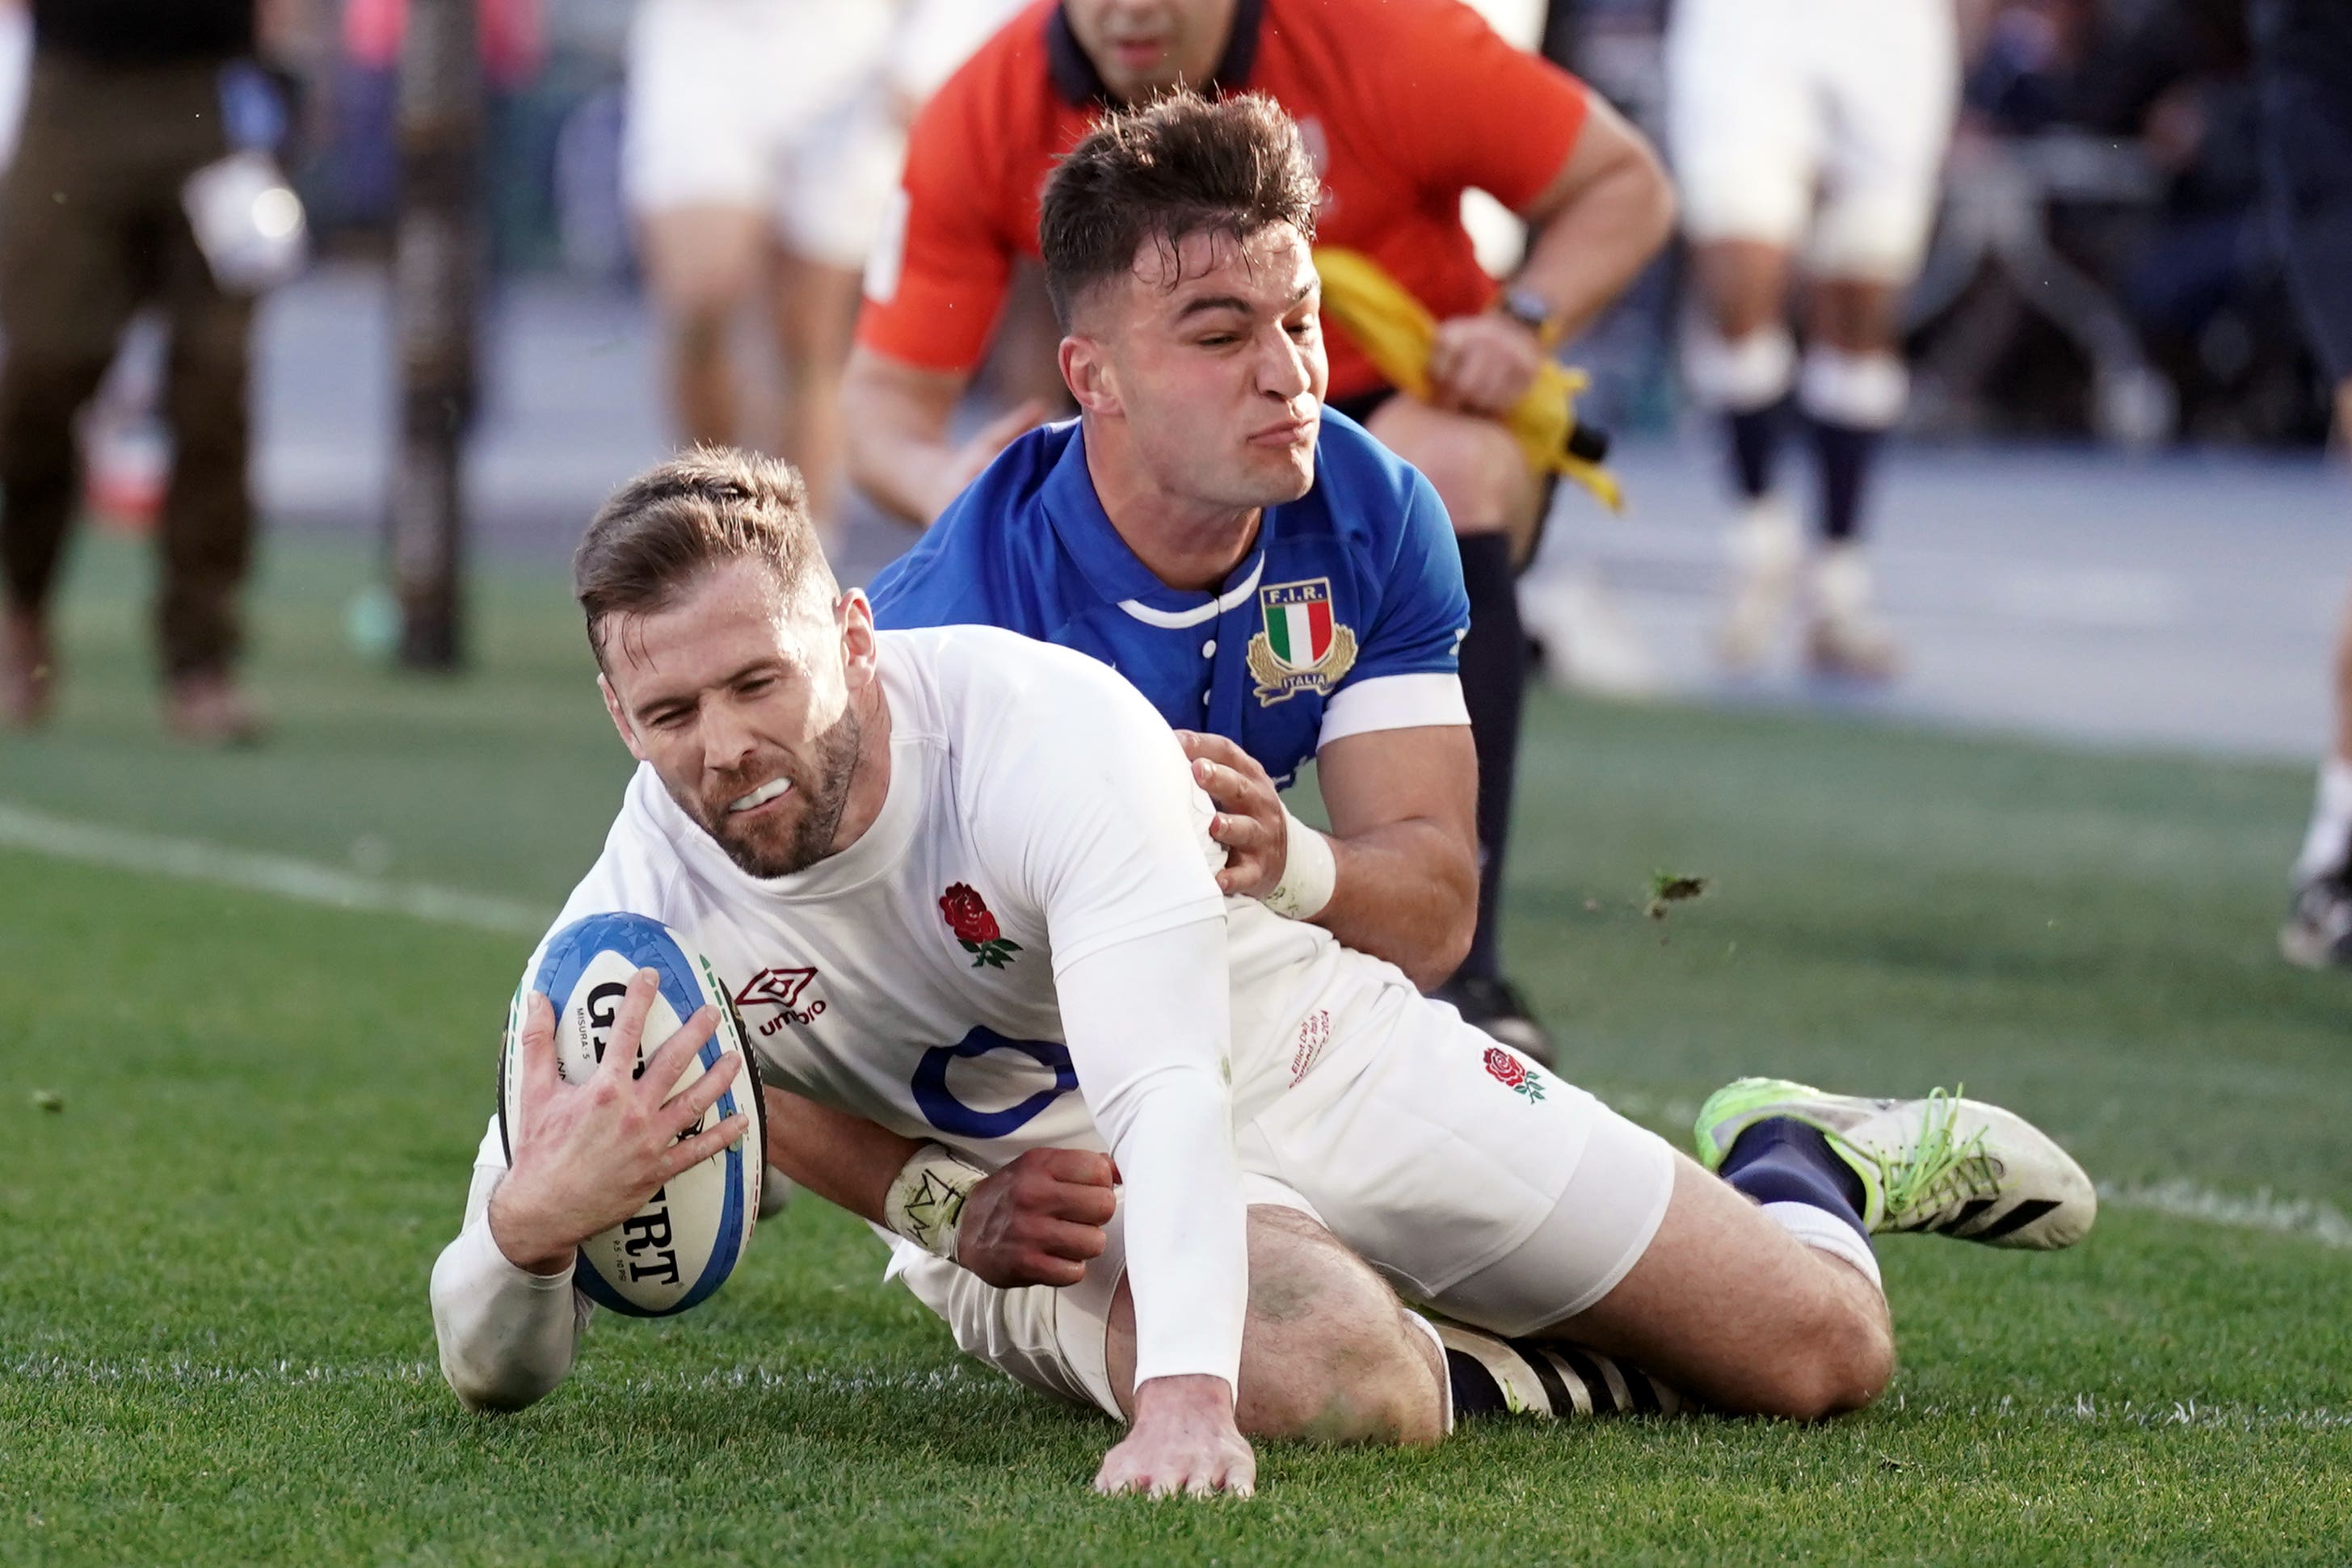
(668,526)
(1180,167)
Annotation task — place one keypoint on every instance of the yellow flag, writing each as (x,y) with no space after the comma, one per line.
(1395,333)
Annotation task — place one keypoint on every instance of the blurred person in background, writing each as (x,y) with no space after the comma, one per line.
(511,38)
(759,151)
(129,99)
(1403,106)
(2302,55)
(1807,136)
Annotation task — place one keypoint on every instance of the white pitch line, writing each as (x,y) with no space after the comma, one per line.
(2262,1211)
(282,876)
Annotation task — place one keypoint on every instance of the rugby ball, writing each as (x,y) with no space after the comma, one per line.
(681,1246)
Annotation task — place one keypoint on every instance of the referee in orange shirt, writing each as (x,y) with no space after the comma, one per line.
(1404,104)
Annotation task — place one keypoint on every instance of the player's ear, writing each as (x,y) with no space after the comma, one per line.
(619,717)
(853,614)
(1087,371)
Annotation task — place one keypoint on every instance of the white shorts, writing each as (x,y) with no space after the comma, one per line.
(1824,121)
(772,105)
(1508,1206)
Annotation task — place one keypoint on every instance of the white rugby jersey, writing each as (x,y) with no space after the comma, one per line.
(1039,813)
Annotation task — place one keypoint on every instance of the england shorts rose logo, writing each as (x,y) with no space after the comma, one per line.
(1512,1073)
(966,916)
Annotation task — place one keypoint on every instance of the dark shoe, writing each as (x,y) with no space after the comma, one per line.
(2318,930)
(1495,1008)
(207,709)
(28,672)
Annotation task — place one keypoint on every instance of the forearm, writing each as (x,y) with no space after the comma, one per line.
(507,1335)
(898,451)
(1584,255)
(1406,891)
(1148,1019)
(844,1159)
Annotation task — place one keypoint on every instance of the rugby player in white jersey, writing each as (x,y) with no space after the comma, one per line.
(987,859)
(1807,137)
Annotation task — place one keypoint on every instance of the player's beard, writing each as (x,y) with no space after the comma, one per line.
(822,783)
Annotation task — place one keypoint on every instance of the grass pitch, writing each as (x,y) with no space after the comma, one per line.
(213,1345)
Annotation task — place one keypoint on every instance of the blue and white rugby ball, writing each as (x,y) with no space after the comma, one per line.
(681,1246)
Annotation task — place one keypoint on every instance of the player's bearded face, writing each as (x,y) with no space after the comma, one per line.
(1218,361)
(740,701)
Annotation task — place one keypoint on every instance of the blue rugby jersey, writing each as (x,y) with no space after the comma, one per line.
(1346,616)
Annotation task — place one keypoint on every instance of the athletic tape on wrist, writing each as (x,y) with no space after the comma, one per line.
(1309,873)
(925,1203)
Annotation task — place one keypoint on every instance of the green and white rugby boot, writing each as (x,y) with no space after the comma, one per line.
(1958,1167)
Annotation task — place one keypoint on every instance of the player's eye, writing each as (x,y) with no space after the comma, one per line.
(755,684)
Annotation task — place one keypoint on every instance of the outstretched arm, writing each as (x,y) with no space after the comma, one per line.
(1147,1026)
(586,1157)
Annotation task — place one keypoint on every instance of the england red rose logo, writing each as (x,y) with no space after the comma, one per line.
(1512,1073)
(966,916)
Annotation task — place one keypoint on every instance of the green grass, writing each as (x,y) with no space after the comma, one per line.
(213,1345)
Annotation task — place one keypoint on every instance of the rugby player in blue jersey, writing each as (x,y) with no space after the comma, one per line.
(1279,585)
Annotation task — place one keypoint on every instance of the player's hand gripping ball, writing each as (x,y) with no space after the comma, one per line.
(685,1239)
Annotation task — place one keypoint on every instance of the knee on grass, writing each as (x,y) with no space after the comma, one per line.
(1330,1356)
(1839,1360)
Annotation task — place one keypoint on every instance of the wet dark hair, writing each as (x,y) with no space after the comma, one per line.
(1179,167)
(665,528)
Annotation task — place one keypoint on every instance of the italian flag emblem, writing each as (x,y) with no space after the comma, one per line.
(1304,647)
(1300,629)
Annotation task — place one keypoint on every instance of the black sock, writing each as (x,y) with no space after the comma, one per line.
(1475,1392)
(1844,452)
(1494,685)
(1782,1160)
(1756,446)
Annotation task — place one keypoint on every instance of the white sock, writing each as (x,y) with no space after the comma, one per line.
(1825,1232)
(1444,1376)
(2330,835)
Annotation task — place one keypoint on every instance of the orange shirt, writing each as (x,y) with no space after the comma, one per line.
(1404,104)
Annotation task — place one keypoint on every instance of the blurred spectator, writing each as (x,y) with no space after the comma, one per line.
(129,99)
(761,148)
(1809,139)
(2109,168)
(365,146)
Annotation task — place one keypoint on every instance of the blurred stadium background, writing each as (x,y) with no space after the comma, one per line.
(2110,517)
(2111,536)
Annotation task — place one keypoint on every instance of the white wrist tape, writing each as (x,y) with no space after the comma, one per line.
(925,1199)
(1309,874)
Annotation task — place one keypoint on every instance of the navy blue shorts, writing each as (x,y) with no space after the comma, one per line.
(2307,169)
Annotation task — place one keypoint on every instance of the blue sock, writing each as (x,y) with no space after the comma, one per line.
(1781,1160)
(1845,452)
(1756,446)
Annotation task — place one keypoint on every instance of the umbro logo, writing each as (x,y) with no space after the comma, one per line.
(781,990)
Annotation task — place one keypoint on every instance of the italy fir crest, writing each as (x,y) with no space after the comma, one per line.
(1303,648)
